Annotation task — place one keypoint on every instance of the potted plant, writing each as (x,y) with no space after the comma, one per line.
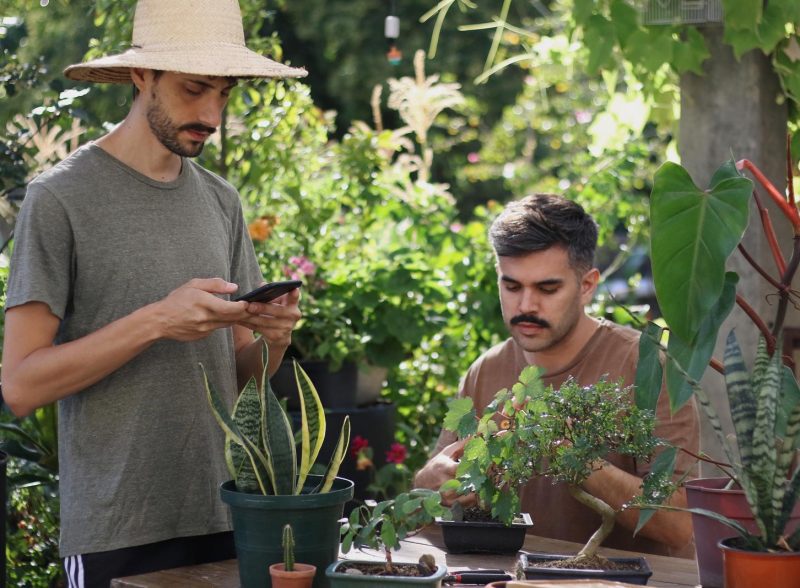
(382,526)
(288,573)
(269,488)
(694,232)
(565,434)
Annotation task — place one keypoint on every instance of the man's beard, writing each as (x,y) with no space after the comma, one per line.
(167,131)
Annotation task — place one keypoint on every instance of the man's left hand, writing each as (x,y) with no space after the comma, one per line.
(275,320)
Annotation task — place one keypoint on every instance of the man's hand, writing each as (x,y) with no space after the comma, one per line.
(192,311)
(441,468)
(274,320)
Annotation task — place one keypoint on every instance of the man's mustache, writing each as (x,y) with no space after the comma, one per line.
(199,127)
(530,318)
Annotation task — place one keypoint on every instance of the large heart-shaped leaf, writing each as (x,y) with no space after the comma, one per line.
(693,233)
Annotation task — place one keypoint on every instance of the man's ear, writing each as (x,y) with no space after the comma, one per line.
(137,77)
(589,283)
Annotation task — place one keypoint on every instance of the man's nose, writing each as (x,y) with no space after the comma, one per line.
(210,113)
(529,302)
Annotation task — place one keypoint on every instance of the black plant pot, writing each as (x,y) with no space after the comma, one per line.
(336,389)
(638,576)
(484,536)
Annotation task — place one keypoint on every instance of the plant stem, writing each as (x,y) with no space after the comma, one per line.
(789,210)
(785,290)
(757,320)
(769,232)
(606,513)
(762,272)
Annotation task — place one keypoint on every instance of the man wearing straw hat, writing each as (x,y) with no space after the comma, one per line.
(125,258)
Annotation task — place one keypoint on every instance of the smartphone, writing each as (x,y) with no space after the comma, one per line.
(269,291)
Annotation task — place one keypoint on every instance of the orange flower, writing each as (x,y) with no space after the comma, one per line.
(261,228)
(363,463)
(505,424)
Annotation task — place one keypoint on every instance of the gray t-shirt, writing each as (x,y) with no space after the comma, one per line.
(141,456)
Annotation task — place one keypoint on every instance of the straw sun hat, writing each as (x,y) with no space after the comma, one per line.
(203,37)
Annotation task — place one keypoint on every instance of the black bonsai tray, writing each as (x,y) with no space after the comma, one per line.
(638,575)
(484,536)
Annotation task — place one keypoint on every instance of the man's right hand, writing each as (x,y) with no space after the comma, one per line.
(192,311)
(441,468)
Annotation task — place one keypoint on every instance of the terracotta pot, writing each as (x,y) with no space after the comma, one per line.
(708,493)
(301,577)
(758,569)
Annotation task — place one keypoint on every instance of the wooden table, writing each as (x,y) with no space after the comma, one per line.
(668,572)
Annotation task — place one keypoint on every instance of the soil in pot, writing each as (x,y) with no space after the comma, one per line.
(372,574)
(545,566)
(479,533)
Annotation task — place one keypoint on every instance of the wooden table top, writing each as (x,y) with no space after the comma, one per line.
(668,572)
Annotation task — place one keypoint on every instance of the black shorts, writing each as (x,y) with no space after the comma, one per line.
(96,570)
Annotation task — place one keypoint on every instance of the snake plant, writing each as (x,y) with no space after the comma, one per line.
(260,447)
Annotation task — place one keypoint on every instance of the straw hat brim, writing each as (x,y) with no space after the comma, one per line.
(217,59)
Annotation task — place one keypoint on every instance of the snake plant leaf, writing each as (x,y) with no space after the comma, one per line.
(279,442)
(338,456)
(231,429)
(784,494)
(312,431)
(694,231)
(649,371)
(247,416)
(741,398)
(693,357)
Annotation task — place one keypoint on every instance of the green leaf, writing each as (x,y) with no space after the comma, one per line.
(653,492)
(625,18)
(338,456)
(693,233)
(461,418)
(742,14)
(691,53)
(649,371)
(650,48)
(312,424)
(599,37)
(741,397)
(693,358)
(388,534)
(582,10)
(279,441)
(247,415)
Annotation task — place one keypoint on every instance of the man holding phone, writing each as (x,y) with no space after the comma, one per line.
(545,246)
(126,256)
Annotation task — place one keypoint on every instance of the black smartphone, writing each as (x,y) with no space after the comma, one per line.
(269,291)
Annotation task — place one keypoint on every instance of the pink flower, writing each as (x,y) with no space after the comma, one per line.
(583,116)
(302,267)
(473,157)
(397,453)
(456,227)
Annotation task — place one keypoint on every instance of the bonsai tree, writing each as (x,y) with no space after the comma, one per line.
(260,446)
(694,232)
(533,430)
(384,524)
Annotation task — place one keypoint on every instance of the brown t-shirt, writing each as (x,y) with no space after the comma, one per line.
(613,351)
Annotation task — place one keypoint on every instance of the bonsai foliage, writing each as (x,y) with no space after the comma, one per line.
(694,233)
(287,541)
(260,446)
(533,430)
(384,524)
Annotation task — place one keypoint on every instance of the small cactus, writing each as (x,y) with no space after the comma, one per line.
(288,548)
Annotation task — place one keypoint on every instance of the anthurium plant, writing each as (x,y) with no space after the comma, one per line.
(536,430)
(694,231)
(260,447)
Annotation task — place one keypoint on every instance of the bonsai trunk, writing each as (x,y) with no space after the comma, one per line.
(607,513)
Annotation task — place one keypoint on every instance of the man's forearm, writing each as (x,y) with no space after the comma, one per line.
(54,372)
(617,487)
(249,356)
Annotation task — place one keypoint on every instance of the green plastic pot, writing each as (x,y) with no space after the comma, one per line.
(342,580)
(258,523)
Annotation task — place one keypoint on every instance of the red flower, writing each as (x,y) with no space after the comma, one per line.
(397,453)
(357,445)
